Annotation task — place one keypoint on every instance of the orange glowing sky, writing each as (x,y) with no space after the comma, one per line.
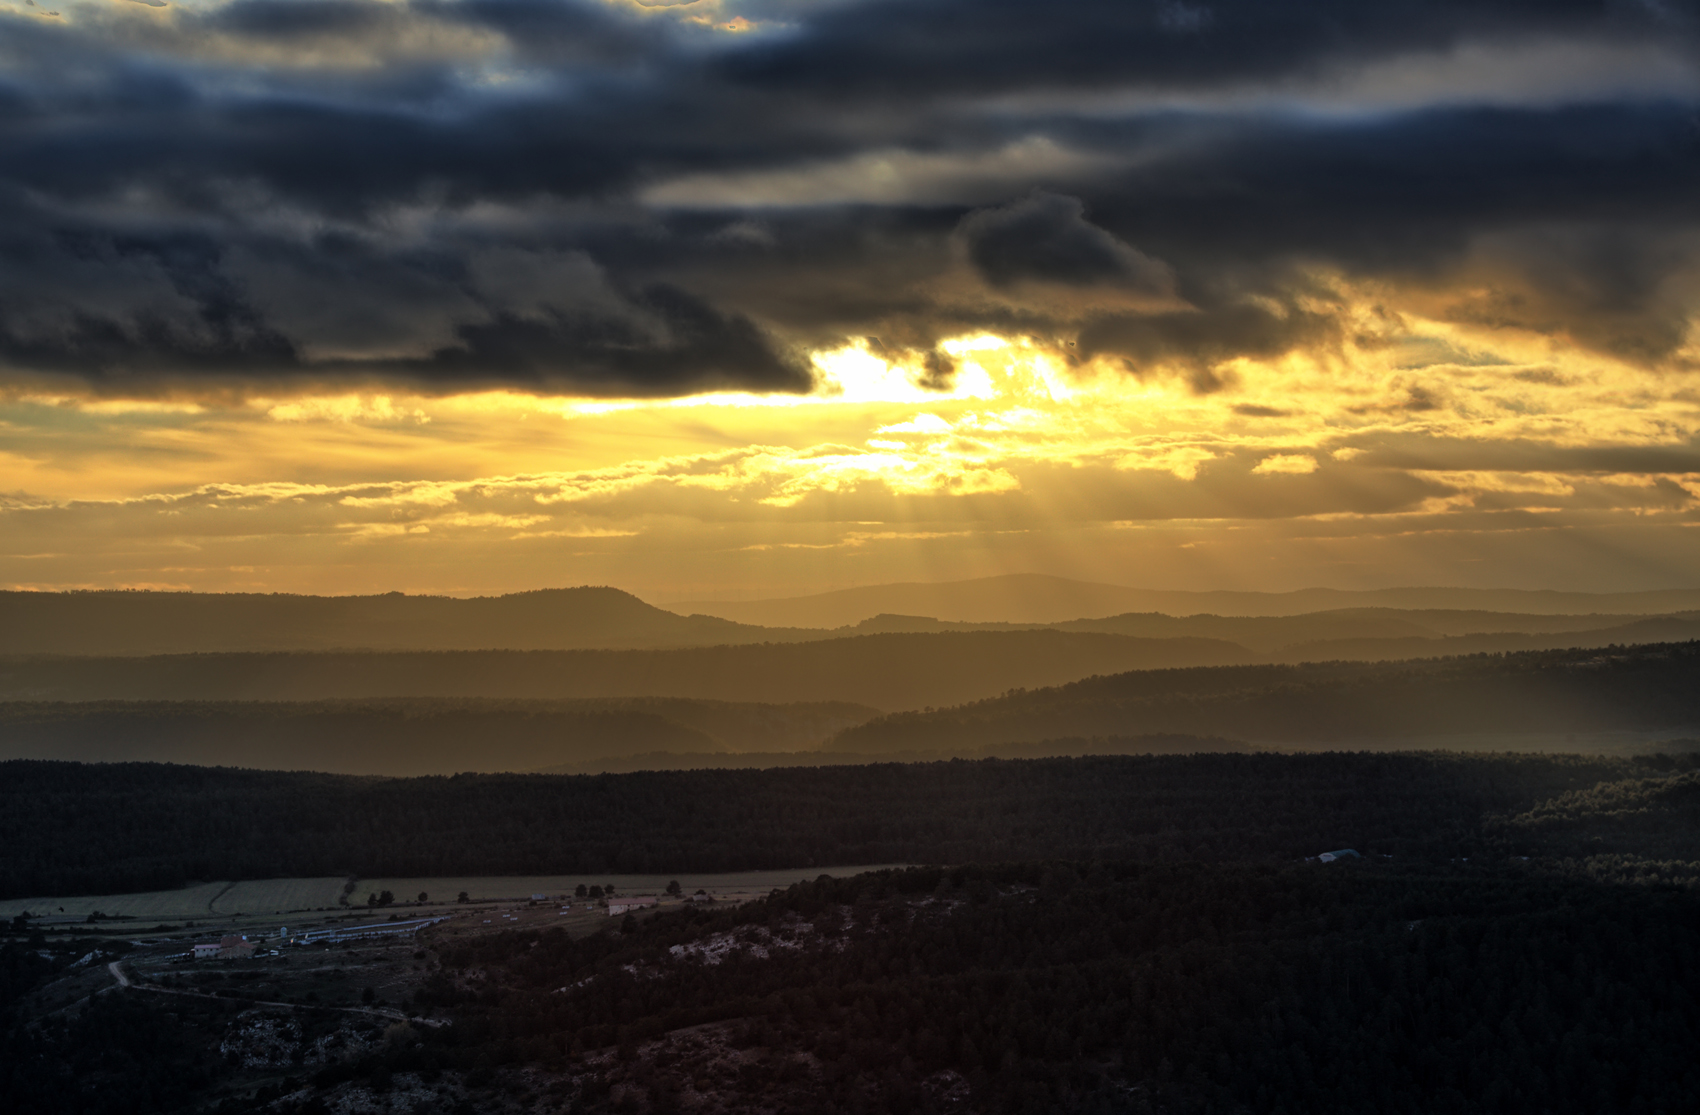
(735,298)
(1507,460)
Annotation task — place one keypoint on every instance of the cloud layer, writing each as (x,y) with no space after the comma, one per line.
(608,198)
(485,294)
(1464,473)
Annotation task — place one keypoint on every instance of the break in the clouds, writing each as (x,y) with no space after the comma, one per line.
(626,199)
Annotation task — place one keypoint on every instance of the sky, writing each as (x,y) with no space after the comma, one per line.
(745,299)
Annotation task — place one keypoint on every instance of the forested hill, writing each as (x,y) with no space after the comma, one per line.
(1118,988)
(106,623)
(887,672)
(70,828)
(1647,688)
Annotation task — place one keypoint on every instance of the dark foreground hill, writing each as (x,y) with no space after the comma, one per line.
(894,671)
(1110,988)
(1103,988)
(70,828)
(1161,948)
(1642,688)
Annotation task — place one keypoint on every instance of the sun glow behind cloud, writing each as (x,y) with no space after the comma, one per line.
(1021,455)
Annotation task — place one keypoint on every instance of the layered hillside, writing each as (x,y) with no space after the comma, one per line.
(1643,688)
(889,672)
(414,737)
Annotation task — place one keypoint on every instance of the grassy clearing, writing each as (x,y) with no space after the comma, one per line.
(267,897)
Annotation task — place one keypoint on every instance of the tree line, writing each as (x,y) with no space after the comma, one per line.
(72,828)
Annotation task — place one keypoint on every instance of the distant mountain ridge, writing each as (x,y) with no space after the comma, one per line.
(1037,598)
(1356,634)
(1313,622)
(131,623)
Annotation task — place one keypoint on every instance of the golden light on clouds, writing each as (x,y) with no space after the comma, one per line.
(708,297)
(1361,463)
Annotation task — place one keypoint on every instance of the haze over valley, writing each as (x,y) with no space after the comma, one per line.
(889,685)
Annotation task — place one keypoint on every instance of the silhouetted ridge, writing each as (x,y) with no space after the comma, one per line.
(104,623)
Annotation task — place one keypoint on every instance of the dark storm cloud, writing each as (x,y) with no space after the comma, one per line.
(454,191)
(1047,237)
(685,345)
(898,49)
(112,306)
(1203,339)
(101,303)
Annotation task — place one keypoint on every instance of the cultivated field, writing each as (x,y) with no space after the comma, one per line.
(271,897)
(500,888)
(279,896)
(175,905)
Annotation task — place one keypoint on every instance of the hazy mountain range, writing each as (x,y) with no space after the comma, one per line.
(1035,598)
(184,622)
(888,672)
(592,679)
(600,618)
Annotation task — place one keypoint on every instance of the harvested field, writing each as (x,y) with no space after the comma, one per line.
(190,902)
(266,896)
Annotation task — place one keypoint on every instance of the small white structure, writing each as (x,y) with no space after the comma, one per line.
(628,905)
(207,951)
